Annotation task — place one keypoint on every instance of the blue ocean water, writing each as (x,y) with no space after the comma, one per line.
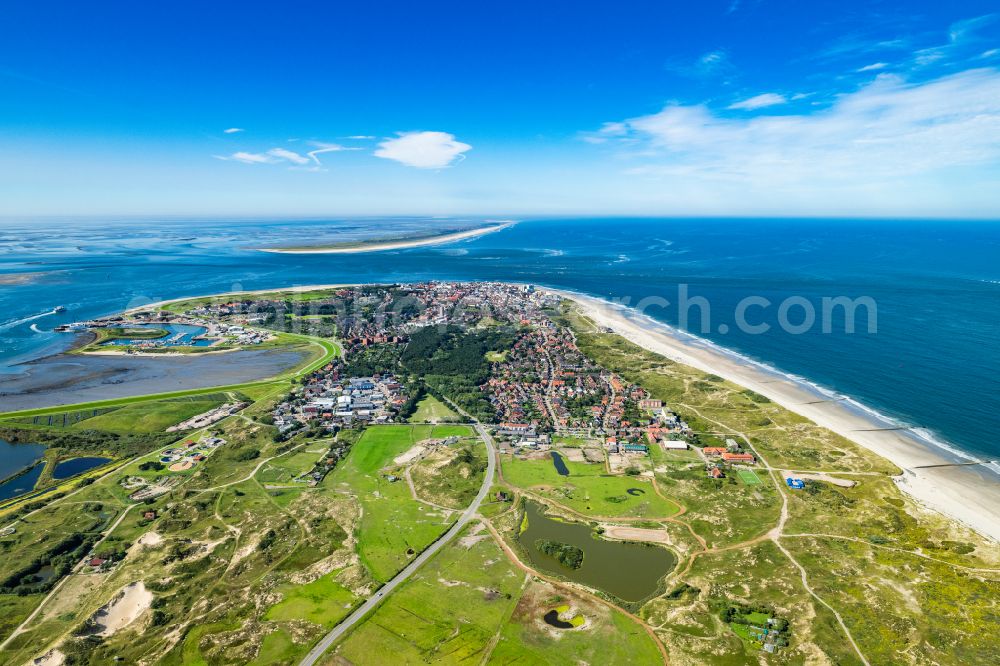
(934,361)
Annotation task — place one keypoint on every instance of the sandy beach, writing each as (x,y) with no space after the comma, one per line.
(964,492)
(400,244)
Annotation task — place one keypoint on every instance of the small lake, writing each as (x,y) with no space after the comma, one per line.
(15,457)
(177,335)
(21,484)
(552,618)
(560,464)
(629,571)
(74,466)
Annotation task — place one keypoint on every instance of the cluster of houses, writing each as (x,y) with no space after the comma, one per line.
(190,453)
(546,383)
(717,458)
(542,385)
(242,335)
(207,317)
(337,402)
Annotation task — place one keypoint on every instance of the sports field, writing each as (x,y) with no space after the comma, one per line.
(749,477)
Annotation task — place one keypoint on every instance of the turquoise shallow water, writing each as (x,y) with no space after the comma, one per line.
(934,361)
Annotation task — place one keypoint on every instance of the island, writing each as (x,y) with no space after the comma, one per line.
(484,472)
(394,242)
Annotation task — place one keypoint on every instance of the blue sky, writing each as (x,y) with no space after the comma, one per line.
(738,107)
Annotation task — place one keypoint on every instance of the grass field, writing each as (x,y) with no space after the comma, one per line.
(606,637)
(58,419)
(566,440)
(394,526)
(589,489)
(448,612)
(749,477)
(432,410)
(324,602)
(286,469)
(155,416)
(451,476)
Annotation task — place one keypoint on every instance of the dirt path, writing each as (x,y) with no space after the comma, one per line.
(488,650)
(413,492)
(820,535)
(55,590)
(368,606)
(776,533)
(253,473)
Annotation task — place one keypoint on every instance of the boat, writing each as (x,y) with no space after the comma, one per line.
(59,308)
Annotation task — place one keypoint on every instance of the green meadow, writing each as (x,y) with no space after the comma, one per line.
(448,612)
(589,489)
(394,526)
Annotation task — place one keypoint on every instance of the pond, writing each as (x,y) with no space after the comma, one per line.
(45,574)
(630,571)
(74,466)
(177,335)
(560,464)
(15,457)
(19,485)
(552,618)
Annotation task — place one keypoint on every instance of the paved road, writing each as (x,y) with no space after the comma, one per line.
(365,608)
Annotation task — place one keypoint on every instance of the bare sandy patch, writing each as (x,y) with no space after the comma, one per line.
(575,455)
(474,536)
(415,452)
(450,583)
(124,609)
(637,534)
(843,483)
(149,539)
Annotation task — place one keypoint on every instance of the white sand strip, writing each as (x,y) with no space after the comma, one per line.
(400,244)
(969,494)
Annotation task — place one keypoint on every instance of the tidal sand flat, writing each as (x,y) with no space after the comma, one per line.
(66,379)
(940,478)
(381,245)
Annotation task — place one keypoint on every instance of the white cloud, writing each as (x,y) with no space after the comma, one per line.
(324,148)
(360,137)
(272,156)
(424,150)
(248,158)
(967,28)
(291,156)
(875,66)
(888,132)
(760,101)
(608,131)
(712,63)
(233,130)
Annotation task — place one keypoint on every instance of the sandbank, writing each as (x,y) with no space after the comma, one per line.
(392,244)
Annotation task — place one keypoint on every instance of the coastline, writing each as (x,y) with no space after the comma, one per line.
(401,244)
(296,290)
(968,493)
(936,476)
